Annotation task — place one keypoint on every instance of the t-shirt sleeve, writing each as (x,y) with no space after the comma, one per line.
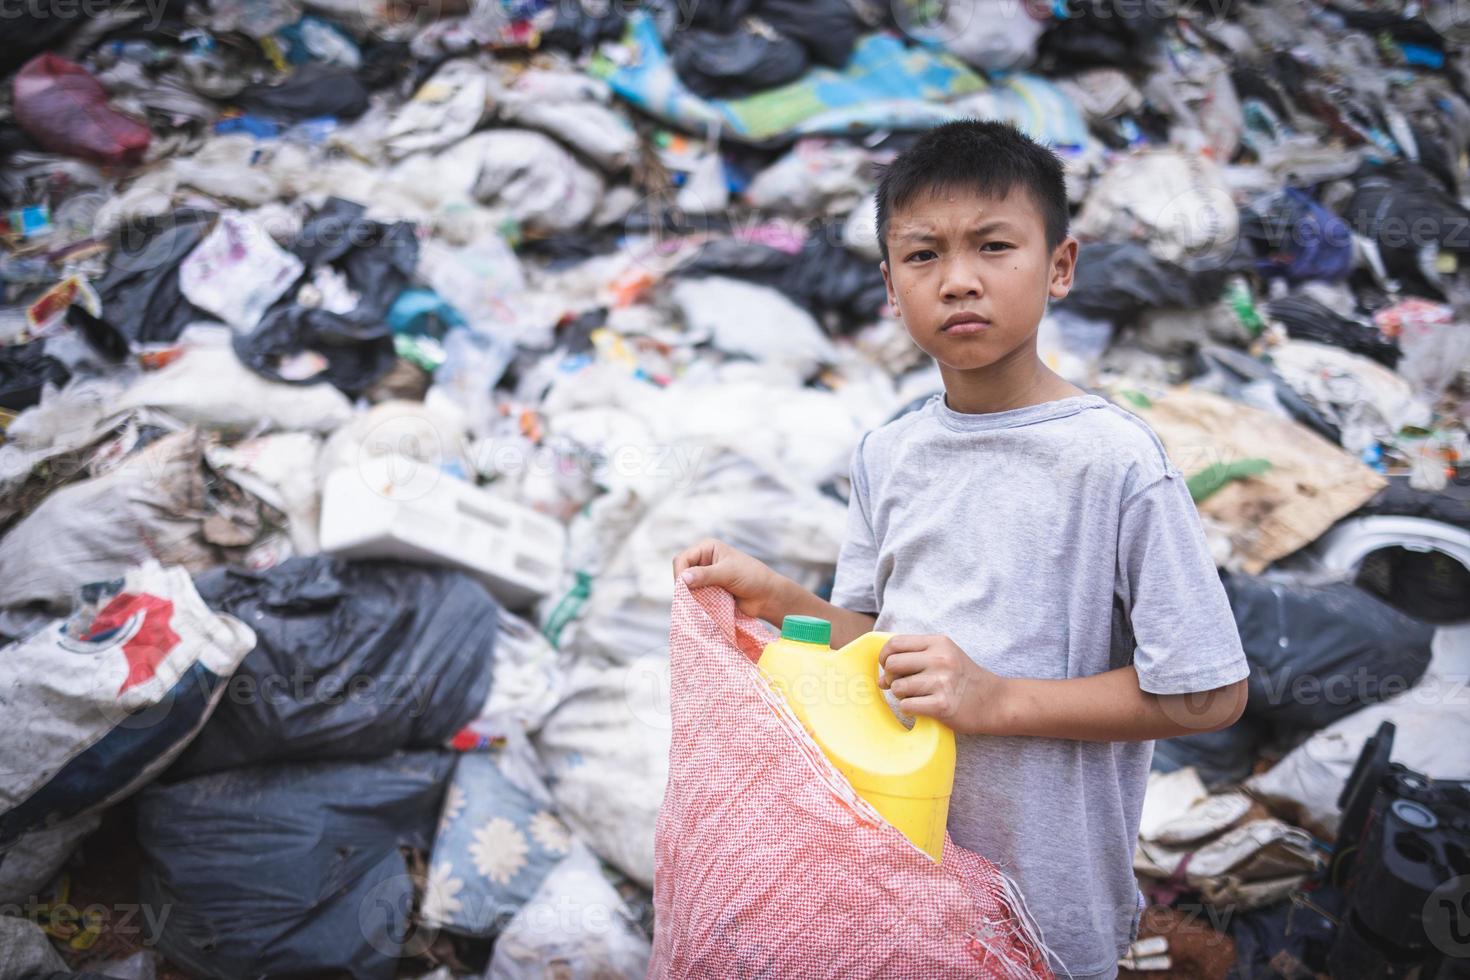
(1183,630)
(857,562)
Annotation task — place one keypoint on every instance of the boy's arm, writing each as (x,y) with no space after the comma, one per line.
(788,598)
(932,676)
(1107,707)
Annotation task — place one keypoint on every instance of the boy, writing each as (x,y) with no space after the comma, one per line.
(1034,542)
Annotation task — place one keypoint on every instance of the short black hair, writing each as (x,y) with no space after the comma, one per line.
(990,158)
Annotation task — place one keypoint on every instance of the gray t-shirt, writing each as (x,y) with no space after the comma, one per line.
(1050,541)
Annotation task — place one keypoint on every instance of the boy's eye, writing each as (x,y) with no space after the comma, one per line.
(995,246)
(920,256)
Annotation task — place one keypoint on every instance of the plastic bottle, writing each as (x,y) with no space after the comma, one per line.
(906,774)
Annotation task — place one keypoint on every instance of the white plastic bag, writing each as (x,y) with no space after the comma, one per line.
(757,321)
(1432,722)
(238,272)
(444,110)
(208,386)
(606,753)
(576,927)
(1176,203)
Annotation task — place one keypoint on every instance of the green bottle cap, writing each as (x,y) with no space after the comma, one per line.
(806,629)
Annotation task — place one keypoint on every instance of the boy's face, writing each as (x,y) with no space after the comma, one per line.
(970,275)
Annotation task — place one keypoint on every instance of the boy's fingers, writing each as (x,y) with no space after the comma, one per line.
(903,664)
(698,555)
(913,686)
(701,575)
(903,643)
(927,704)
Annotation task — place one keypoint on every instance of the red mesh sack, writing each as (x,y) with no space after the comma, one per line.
(64,109)
(767,863)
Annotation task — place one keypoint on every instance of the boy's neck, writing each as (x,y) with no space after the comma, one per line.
(1012,382)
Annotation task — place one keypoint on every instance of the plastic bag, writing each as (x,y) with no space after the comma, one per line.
(575,927)
(802,878)
(377,259)
(817,174)
(302,345)
(156,662)
(533,179)
(353,659)
(1176,203)
(737,63)
(742,318)
(606,752)
(238,272)
(444,110)
(25,370)
(1433,727)
(310,92)
(152,506)
(991,35)
(64,109)
(1318,652)
(497,840)
(1307,319)
(1297,238)
(289,869)
(1119,281)
(209,386)
(572,107)
(142,302)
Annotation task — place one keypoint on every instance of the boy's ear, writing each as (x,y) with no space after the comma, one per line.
(1063,267)
(888,284)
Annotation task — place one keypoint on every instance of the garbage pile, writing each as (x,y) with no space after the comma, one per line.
(364,364)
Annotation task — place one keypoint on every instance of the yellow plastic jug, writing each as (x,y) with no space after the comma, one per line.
(906,774)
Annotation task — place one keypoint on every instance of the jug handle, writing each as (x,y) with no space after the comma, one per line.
(868,647)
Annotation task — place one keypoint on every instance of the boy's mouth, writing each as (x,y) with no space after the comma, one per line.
(959,323)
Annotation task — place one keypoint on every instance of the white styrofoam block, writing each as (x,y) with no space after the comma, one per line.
(393,507)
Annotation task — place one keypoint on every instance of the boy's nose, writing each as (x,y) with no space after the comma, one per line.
(961,281)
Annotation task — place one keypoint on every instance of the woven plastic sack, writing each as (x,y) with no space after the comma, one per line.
(767,862)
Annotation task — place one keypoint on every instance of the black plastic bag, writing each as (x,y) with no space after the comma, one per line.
(24,370)
(823,277)
(1221,758)
(831,279)
(289,870)
(828,29)
(715,15)
(141,299)
(1410,218)
(357,353)
(39,25)
(1307,319)
(577,28)
(736,63)
(310,92)
(1117,281)
(1449,506)
(1319,652)
(352,660)
(1238,369)
(1093,34)
(378,259)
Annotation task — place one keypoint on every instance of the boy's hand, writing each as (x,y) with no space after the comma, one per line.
(753,584)
(932,676)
